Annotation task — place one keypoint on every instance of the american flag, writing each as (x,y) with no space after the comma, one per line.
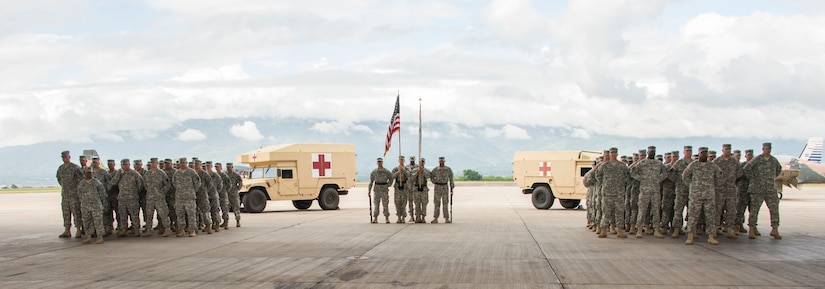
(395,125)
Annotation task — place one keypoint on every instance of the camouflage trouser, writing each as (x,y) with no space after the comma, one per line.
(632,203)
(743,200)
(142,200)
(129,208)
(725,206)
(695,211)
(70,203)
(411,202)
(441,195)
(589,203)
(381,197)
(186,210)
(215,210)
(204,210)
(668,200)
(597,207)
(400,197)
(104,217)
(92,221)
(224,205)
(649,200)
(772,199)
(612,211)
(422,198)
(235,202)
(159,205)
(113,214)
(679,206)
(170,204)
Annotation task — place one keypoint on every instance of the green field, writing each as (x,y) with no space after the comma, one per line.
(30,190)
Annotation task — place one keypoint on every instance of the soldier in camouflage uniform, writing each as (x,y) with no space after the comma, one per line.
(157,186)
(91,192)
(401,178)
(669,192)
(206,188)
(762,171)
(186,182)
(682,190)
(592,203)
(650,173)
(420,176)
(223,196)
(726,191)
(632,200)
(742,197)
(382,179)
(702,178)
(411,191)
(104,178)
(129,182)
(214,198)
(442,176)
(235,183)
(69,176)
(142,193)
(170,196)
(613,176)
(112,191)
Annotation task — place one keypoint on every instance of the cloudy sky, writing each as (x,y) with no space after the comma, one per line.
(127,70)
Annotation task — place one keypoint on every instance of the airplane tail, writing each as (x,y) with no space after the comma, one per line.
(813,150)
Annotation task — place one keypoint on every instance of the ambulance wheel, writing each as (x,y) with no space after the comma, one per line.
(255,201)
(302,204)
(328,199)
(542,198)
(569,204)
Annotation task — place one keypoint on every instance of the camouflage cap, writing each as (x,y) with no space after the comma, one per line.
(635,154)
(87,169)
(196,161)
(208,163)
(642,152)
(82,157)
(624,158)
(95,159)
(737,151)
(726,146)
(217,164)
(124,161)
(138,161)
(712,153)
(703,149)
(167,161)
(606,152)
(749,151)
(614,150)
(182,160)
(64,153)
(194,158)
(379,160)
(651,148)
(422,160)
(401,158)
(688,148)
(674,153)
(111,161)
(659,156)
(668,153)
(228,164)
(441,159)
(412,157)
(766,145)
(189,164)
(153,160)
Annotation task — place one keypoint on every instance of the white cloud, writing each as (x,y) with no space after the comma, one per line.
(109,136)
(339,127)
(191,134)
(224,73)
(247,131)
(507,131)
(580,133)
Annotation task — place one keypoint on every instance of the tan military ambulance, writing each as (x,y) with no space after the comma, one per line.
(553,174)
(299,173)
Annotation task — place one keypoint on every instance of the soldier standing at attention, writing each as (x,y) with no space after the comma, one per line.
(702,178)
(170,195)
(762,171)
(104,178)
(157,185)
(632,201)
(726,191)
(112,191)
(411,191)
(401,177)
(650,173)
(382,179)
(83,161)
(613,175)
(90,192)
(442,176)
(203,196)
(130,183)
(186,182)
(682,190)
(669,192)
(235,183)
(223,196)
(742,198)
(142,193)
(422,198)
(69,176)
(214,199)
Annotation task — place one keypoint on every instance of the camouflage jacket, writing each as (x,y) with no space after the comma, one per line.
(380,177)
(650,173)
(130,183)
(91,193)
(702,179)
(235,182)
(613,177)
(186,182)
(761,172)
(420,180)
(401,178)
(157,184)
(442,176)
(730,172)
(217,185)
(206,187)
(678,169)
(69,176)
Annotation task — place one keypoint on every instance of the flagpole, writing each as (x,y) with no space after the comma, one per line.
(419,129)
(399,127)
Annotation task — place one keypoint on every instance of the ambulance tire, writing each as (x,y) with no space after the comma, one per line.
(328,199)
(569,204)
(542,198)
(255,201)
(302,204)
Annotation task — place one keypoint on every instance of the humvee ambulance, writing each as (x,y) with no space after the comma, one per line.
(553,174)
(299,173)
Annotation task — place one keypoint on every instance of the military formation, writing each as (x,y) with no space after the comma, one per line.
(183,196)
(410,184)
(648,193)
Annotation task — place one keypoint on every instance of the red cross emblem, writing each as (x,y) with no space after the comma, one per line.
(545,168)
(254,156)
(321,165)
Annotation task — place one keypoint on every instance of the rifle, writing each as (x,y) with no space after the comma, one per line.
(451,205)
(370,196)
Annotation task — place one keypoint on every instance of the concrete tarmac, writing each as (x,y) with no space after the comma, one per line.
(497,240)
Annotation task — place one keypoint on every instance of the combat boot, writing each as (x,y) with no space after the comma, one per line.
(756,231)
(602,232)
(613,229)
(209,230)
(374,220)
(164,232)
(434,221)
(398,220)
(216,227)
(108,231)
(136,232)
(699,229)
(99,240)
(87,240)
(121,233)
(594,228)
(775,233)
(731,233)
(657,233)
(148,233)
(158,227)
(752,232)
(179,233)
(192,233)
(638,233)
(67,233)
(620,234)
(632,228)
(447,220)
(237,223)
(412,219)
(649,229)
(78,232)
(599,230)
(689,240)
(712,239)
(742,228)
